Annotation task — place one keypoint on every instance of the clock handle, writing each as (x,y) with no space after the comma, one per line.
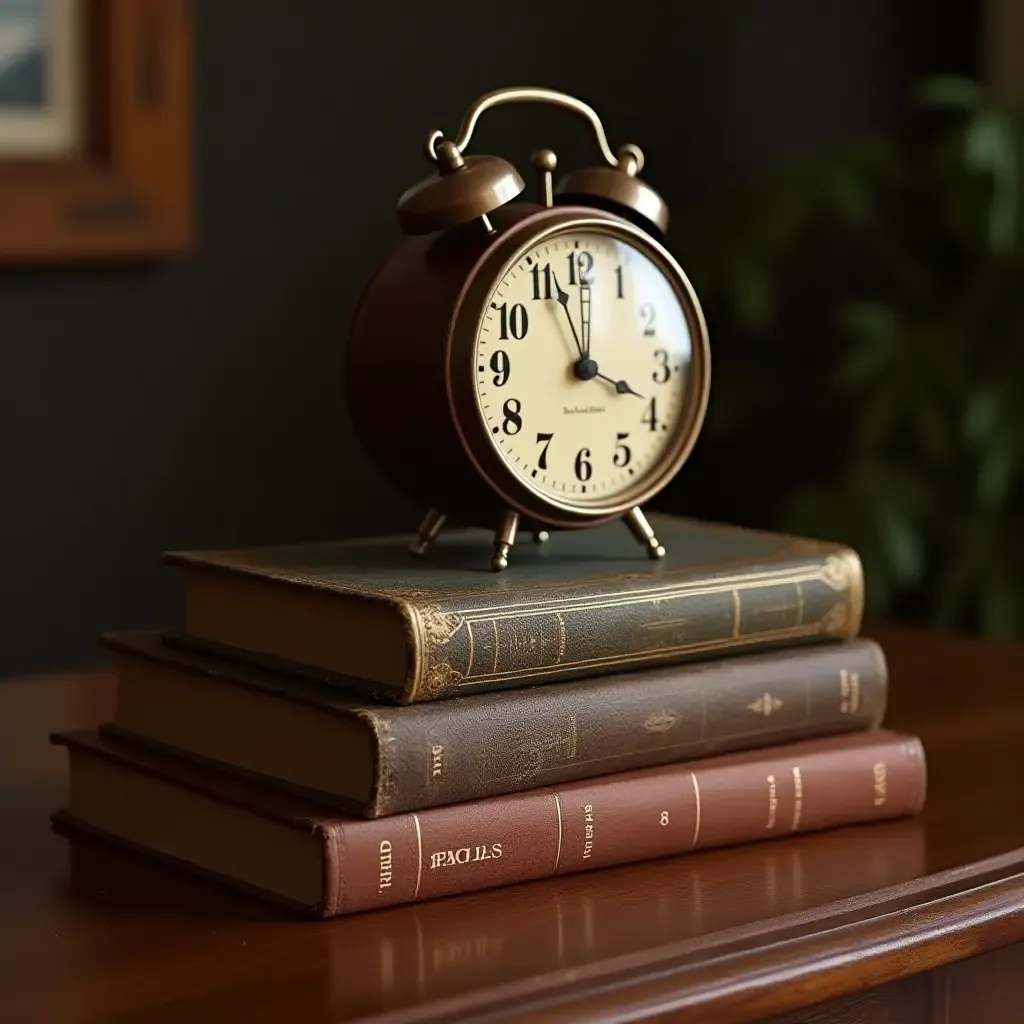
(630,158)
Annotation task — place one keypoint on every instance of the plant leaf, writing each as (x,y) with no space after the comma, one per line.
(980,414)
(949,92)
(995,472)
(901,543)
(990,150)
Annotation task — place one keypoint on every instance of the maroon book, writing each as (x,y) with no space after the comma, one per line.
(294,852)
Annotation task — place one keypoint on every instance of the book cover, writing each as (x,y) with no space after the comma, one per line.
(587,603)
(378,759)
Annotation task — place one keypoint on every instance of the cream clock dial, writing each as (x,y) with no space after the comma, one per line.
(583,368)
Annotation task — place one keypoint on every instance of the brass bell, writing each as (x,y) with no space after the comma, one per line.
(618,189)
(463,189)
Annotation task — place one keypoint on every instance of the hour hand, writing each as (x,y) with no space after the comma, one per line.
(563,301)
(620,386)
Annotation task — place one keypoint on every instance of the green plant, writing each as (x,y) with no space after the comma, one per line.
(924,358)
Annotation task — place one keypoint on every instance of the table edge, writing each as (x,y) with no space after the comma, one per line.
(794,961)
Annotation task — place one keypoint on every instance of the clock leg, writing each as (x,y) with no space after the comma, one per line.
(429,529)
(504,539)
(641,529)
(541,536)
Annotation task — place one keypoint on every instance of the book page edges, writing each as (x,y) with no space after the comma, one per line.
(301,625)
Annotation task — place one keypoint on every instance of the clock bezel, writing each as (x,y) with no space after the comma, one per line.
(510,247)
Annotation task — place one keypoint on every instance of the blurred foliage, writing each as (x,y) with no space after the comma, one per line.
(920,350)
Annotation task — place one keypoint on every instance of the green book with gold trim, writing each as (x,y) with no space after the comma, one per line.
(367,614)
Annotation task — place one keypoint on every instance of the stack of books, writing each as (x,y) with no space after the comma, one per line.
(341,727)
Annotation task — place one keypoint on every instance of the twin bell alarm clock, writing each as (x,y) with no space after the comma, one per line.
(529,366)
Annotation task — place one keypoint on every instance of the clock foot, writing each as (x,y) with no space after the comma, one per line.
(504,539)
(641,529)
(541,536)
(429,529)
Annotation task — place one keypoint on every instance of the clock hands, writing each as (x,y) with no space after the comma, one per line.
(620,385)
(585,315)
(563,301)
(586,368)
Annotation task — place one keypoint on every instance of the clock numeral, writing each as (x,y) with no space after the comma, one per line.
(647,315)
(536,272)
(650,415)
(663,372)
(544,439)
(618,283)
(513,320)
(501,366)
(585,262)
(513,418)
(622,451)
(584,470)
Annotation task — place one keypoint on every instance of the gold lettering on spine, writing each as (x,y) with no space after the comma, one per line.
(464,855)
(588,830)
(798,797)
(880,774)
(849,691)
(385,866)
(773,802)
(419,855)
(696,823)
(558,852)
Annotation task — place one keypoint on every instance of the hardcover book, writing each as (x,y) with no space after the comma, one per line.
(291,851)
(378,759)
(585,604)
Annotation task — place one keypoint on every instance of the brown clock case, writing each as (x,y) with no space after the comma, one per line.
(409,354)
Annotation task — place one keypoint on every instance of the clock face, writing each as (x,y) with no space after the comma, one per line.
(583,368)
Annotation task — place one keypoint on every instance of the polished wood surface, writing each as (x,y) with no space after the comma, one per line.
(918,920)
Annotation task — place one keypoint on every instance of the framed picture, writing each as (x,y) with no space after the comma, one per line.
(39,76)
(95,129)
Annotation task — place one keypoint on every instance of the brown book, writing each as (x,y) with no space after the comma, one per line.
(288,850)
(376,759)
(586,603)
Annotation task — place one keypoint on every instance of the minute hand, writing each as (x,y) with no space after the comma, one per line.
(563,301)
(585,317)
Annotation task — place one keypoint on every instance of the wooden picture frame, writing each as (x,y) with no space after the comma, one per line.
(126,191)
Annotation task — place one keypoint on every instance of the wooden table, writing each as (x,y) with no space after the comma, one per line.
(919,920)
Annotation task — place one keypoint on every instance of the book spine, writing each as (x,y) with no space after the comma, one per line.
(446,752)
(620,819)
(457,649)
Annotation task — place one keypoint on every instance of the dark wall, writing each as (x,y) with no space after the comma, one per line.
(146,408)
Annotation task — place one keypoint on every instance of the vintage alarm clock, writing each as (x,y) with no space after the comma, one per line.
(529,366)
